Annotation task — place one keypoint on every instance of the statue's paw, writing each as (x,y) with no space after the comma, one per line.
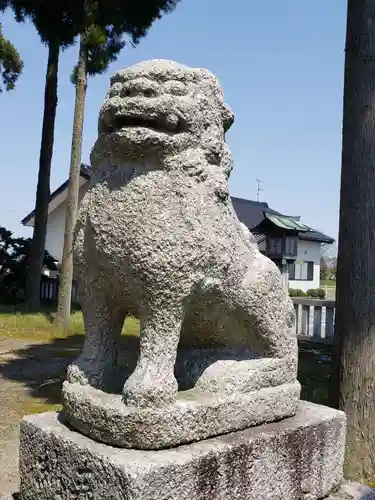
(148,387)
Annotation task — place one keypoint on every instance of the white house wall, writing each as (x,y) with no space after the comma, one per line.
(56,227)
(55,231)
(308,251)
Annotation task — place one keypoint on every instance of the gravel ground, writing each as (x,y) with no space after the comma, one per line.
(29,383)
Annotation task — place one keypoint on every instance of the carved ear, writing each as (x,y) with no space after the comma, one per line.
(228,117)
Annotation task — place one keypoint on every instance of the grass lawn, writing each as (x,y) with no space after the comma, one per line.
(328,283)
(39,327)
(34,355)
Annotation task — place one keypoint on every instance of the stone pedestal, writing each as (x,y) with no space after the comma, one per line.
(194,416)
(297,458)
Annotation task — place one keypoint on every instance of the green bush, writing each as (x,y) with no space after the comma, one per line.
(297,292)
(316,293)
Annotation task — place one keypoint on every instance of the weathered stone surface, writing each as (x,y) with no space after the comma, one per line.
(195,415)
(300,458)
(157,237)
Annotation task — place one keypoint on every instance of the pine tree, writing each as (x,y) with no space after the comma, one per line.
(10,63)
(54,22)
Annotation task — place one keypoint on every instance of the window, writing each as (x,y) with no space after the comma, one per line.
(291,245)
(274,246)
(301,271)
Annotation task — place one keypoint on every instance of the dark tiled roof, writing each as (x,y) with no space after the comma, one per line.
(313,235)
(251,213)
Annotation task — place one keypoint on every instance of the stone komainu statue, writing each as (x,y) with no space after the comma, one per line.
(157,237)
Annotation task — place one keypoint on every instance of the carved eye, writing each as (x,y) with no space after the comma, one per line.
(126,92)
(149,93)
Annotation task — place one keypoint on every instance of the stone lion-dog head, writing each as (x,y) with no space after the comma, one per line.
(165,111)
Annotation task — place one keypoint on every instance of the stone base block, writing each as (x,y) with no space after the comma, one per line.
(195,415)
(299,458)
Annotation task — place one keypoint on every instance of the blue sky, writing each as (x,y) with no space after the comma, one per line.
(281,67)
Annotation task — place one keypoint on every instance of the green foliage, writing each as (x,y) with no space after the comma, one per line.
(13,262)
(54,20)
(297,292)
(131,18)
(10,63)
(104,24)
(316,293)
(103,46)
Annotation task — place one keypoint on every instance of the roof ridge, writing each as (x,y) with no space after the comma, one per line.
(253,202)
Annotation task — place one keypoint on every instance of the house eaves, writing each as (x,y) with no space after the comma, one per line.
(60,192)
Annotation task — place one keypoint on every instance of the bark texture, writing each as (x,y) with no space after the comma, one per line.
(352,386)
(35,259)
(65,292)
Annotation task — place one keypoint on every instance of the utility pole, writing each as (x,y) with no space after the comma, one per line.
(259,189)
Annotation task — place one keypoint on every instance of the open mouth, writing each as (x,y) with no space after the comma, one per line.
(169,124)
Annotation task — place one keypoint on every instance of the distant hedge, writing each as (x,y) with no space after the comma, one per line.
(314,293)
(296,292)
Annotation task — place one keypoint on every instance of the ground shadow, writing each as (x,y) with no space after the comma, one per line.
(42,367)
(314,365)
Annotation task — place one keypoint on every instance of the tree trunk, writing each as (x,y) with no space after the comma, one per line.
(35,258)
(352,386)
(65,292)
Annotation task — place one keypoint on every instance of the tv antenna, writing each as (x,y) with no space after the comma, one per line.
(259,189)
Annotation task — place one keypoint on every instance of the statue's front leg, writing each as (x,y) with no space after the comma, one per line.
(103,322)
(153,382)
